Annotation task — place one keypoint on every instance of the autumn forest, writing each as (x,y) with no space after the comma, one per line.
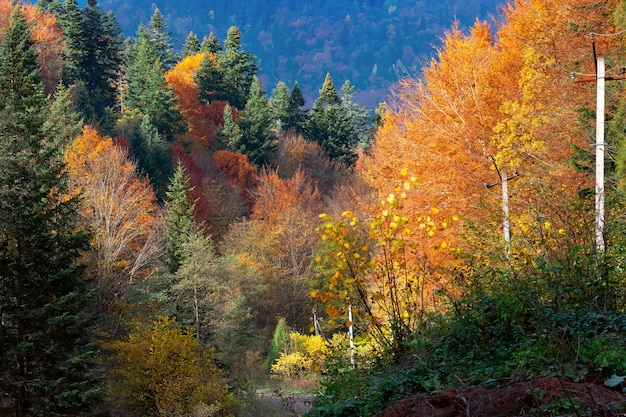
(174,234)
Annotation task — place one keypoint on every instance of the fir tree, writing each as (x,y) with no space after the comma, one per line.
(330,125)
(64,124)
(210,81)
(211,44)
(239,68)
(296,118)
(45,355)
(230,135)
(179,220)
(192,45)
(152,153)
(257,125)
(147,92)
(280,104)
(162,39)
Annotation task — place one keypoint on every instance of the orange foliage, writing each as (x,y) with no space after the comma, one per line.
(239,172)
(507,96)
(47,36)
(119,208)
(203,120)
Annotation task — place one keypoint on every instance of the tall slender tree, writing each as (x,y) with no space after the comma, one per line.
(162,39)
(45,351)
(239,67)
(191,46)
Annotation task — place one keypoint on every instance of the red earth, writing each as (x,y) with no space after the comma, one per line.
(546,396)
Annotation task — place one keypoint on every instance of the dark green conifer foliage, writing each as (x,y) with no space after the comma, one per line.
(100,58)
(70,20)
(296,119)
(192,45)
(162,39)
(230,135)
(239,68)
(210,81)
(279,103)
(64,124)
(152,154)
(179,221)
(257,125)
(211,44)
(330,125)
(148,93)
(46,358)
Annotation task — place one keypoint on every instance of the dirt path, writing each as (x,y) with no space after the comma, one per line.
(284,404)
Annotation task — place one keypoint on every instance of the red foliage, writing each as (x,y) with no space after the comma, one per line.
(239,172)
(47,36)
(195,172)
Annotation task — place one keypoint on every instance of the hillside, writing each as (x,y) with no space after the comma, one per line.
(372,43)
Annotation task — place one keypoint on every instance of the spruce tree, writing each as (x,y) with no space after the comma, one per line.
(239,68)
(229,135)
(279,104)
(259,139)
(210,81)
(191,46)
(211,44)
(330,125)
(64,124)
(179,219)
(46,356)
(296,118)
(162,39)
(147,93)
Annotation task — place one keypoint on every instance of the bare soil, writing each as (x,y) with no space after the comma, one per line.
(547,396)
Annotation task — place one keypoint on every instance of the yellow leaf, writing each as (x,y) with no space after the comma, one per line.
(434,210)
(404,172)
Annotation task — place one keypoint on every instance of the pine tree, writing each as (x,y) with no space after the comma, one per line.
(45,356)
(257,125)
(359,115)
(192,45)
(179,220)
(239,68)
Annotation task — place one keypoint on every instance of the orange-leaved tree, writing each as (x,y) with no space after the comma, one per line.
(119,208)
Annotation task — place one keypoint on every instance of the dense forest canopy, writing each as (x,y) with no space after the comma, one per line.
(175,231)
(371,43)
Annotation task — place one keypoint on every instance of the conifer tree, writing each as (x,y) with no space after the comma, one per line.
(162,39)
(64,124)
(46,356)
(280,104)
(148,94)
(210,81)
(239,68)
(230,135)
(259,139)
(179,220)
(330,125)
(191,46)
(211,44)
(296,115)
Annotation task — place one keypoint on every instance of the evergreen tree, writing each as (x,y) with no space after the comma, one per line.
(45,356)
(101,57)
(64,124)
(162,39)
(359,115)
(70,20)
(239,68)
(230,135)
(179,219)
(331,126)
(153,156)
(280,104)
(259,139)
(192,45)
(147,93)
(211,44)
(296,118)
(210,81)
